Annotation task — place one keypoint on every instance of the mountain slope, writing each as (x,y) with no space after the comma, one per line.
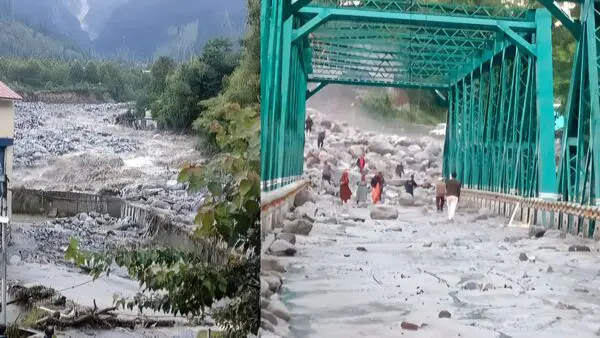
(19,40)
(49,17)
(93,14)
(178,28)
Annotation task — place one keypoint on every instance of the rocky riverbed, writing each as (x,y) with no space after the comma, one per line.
(400,269)
(78,147)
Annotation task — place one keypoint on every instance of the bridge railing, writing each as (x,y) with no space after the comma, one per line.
(275,204)
(568,217)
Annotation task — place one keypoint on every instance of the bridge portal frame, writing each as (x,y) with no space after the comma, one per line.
(521,46)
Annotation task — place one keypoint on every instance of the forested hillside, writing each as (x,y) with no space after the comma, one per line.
(49,17)
(21,41)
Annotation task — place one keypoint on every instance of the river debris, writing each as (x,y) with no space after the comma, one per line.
(50,308)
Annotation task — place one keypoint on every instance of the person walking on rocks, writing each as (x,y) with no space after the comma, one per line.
(376,191)
(452,195)
(362,190)
(440,194)
(326,176)
(381,185)
(400,170)
(345,192)
(320,139)
(410,185)
(361,163)
(308,125)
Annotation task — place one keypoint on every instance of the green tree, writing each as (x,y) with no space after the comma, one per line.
(76,72)
(160,70)
(91,73)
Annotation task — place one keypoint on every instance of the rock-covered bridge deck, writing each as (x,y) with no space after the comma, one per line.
(420,264)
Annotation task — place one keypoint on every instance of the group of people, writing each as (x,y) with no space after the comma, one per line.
(448,191)
(377,182)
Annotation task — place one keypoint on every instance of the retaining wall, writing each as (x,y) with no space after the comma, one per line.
(275,204)
(161,229)
(64,203)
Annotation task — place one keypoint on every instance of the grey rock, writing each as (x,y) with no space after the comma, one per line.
(282,248)
(298,227)
(579,247)
(286,237)
(384,212)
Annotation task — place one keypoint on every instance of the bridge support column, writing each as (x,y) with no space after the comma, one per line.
(545,112)
(545,107)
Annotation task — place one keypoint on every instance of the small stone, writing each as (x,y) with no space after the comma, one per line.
(427,245)
(488,286)
(346,255)
(536,231)
(549,269)
(579,247)
(523,257)
(361,248)
(444,314)
(472,286)
(409,326)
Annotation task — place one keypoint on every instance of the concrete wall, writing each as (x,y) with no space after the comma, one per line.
(64,203)
(161,230)
(275,204)
(7,119)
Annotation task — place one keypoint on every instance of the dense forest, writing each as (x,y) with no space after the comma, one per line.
(121,83)
(224,104)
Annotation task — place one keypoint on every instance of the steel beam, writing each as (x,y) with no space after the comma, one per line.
(384,84)
(439,21)
(573,26)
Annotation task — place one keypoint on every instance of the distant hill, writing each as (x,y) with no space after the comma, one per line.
(144,29)
(93,14)
(19,40)
(50,17)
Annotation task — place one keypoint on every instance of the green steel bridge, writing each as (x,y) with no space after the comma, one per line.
(495,64)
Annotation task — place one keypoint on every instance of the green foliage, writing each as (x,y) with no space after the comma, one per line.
(174,92)
(184,281)
(20,41)
(50,75)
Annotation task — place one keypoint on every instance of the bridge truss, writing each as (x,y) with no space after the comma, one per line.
(494,63)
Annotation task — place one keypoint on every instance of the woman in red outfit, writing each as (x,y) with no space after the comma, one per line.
(345,192)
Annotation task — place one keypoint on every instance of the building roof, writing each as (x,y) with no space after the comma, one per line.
(8,94)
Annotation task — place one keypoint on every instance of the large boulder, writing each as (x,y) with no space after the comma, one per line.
(271,264)
(282,248)
(308,209)
(413,149)
(298,227)
(384,212)
(303,196)
(286,237)
(381,146)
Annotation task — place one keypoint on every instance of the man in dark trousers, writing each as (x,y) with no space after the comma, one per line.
(452,195)
(308,125)
(326,173)
(320,139)
(400,170)
(410,185)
